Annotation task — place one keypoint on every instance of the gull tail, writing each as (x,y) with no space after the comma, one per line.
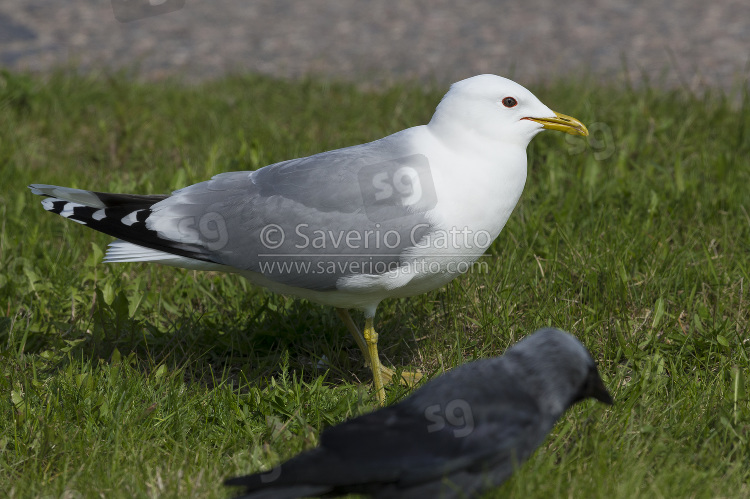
(123,216)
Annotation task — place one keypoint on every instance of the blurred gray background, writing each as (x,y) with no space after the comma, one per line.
(688,43)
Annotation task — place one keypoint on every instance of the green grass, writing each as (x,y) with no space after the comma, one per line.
(147,381)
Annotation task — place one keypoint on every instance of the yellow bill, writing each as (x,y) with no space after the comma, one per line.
(562,123)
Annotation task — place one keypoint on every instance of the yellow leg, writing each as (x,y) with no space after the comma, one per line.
(371,338)
(378,371)
(354,330)
(386,374)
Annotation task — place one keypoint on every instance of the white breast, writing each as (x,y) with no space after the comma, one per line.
(476,194)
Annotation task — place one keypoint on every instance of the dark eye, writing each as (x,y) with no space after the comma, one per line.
(510,102)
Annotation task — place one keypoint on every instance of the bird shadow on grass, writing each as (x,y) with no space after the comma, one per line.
(218,345)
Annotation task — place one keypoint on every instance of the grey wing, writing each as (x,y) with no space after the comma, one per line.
(441,439)
(458,426)
(397,449)
(471,425)
(307,222)
(400,448)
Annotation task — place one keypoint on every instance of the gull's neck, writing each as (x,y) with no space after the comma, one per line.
(464,138)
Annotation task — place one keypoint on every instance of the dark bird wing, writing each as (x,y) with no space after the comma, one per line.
(407,445)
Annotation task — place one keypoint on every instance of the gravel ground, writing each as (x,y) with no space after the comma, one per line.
(692,43)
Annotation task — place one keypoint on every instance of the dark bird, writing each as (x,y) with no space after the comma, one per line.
(457,436)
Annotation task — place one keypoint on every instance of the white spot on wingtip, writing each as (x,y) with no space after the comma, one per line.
(48,204)
(130,218)
(98,215)
(67,210)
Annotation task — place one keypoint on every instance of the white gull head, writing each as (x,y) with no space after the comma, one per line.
(490,107)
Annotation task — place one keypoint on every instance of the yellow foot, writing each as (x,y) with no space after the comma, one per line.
(406,378)
(368,343)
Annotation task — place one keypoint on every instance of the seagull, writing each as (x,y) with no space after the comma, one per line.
(347,228)
(457,436)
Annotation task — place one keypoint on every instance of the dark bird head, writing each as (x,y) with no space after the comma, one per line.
(556,370)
